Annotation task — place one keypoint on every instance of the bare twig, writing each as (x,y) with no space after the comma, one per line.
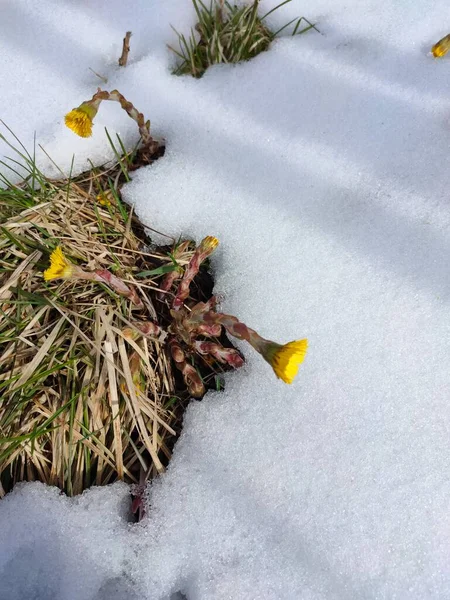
(126,48)
(104,79)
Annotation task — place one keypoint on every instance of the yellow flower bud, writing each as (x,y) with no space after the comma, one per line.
(104,198)
(209,244)
(441,47)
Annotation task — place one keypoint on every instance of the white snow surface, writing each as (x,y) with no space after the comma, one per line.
(322,167)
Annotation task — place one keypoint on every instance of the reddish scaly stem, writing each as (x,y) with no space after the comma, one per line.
(170,278)
(205,249)
(232,325)
(221,354)
(128,107)
(104,276)
(191,377)
(146,328)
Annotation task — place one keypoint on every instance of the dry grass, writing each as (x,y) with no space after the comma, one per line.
(82,402)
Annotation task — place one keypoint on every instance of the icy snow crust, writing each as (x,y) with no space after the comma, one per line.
(322,166)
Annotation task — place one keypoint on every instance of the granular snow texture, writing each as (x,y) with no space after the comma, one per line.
(321,167)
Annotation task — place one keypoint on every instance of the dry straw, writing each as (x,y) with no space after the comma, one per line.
(83,401)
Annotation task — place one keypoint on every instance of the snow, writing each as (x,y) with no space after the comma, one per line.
(48,555)
(321,167)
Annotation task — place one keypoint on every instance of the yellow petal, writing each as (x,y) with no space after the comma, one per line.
(80,119)
(60,267)
(286,360)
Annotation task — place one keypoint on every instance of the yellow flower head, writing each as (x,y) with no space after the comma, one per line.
(209,244)
(286,359)
(441,47)
(60,267)
(80,119)
(104,198)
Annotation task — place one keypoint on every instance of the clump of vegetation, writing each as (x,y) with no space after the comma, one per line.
(87,386)
(226,33)
(104,337)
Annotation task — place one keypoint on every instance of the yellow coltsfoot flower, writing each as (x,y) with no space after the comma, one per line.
(286,359)
(60,267)
(441,47)
(209,243)
(283,358)
(80,120)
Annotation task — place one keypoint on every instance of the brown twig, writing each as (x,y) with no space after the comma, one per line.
(126,48)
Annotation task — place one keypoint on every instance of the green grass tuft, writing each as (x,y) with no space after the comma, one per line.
(21,167)
(227,33)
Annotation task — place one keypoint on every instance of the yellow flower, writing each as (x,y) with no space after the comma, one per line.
(104,198)
(286,359)
(209,243)
(60,267)
(80,119)
(441,47)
